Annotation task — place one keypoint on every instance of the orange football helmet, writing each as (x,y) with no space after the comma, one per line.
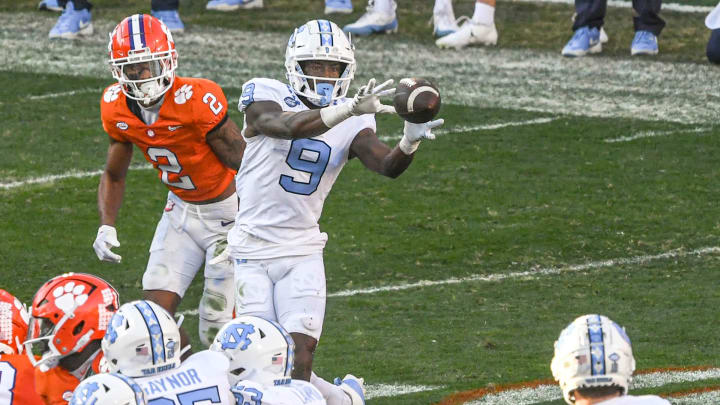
(67,313)
(13,323)
(143,58)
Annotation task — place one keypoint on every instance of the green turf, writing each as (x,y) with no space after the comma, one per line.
(482,202)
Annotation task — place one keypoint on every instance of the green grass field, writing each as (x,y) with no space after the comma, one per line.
(547,195)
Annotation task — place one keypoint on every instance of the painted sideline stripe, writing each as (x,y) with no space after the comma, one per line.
(487,127)
(520,274)
(55,177)
(548,390)
(681,8)
(650,134)
(65,93)
(386,390)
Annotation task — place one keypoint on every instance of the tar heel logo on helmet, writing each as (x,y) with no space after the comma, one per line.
(237,335)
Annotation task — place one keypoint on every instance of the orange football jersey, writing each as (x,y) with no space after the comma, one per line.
(56,386)
(17,381)
(175,144)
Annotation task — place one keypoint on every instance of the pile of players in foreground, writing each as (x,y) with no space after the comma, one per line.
(78,346)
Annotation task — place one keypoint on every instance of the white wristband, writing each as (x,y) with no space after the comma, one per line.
(408,147)
(335,114)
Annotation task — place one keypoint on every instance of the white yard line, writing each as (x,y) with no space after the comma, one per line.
(387,390)
(487,127)
(533,273)
(651,134)
(544,393)
(528,274)
(65,94)
(681,8)
(55,177)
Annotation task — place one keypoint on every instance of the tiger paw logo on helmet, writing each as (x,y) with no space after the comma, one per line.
(183,94)
(69,296)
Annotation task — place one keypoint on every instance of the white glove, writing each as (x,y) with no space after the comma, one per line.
(106,238)
(366,101)
(414,133)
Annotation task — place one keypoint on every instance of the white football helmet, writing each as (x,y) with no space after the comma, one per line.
(142,339)
(592,351)
(259,350)
(319,40)
(108,389)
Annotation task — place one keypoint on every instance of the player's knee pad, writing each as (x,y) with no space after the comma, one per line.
(215,308)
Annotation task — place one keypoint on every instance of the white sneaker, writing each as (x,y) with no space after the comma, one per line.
(354,387)
(373,22)
(603,36)
(470,33)
(444,23)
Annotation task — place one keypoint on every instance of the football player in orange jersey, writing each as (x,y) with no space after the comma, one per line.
(68,318)
(181,126)
(17,382)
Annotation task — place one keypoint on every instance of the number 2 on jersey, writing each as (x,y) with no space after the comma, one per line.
(173,166)
(310,156)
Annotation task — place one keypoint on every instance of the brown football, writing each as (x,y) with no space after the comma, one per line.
(417,100)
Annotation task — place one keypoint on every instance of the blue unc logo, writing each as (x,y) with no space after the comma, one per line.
(237,335)
(111,334)
(82,396)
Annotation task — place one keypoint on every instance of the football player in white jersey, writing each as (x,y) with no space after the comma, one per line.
(108,389)
(261,359)
(299,136)
(594,364)
(143,342)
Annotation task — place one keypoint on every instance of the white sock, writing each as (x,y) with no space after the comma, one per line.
(386,7)
(333,394)
(441,6)
(484,14)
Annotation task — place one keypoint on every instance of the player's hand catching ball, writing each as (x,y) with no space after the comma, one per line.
(414,133)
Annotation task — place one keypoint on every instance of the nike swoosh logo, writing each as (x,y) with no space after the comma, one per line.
(226,223)
(174,128)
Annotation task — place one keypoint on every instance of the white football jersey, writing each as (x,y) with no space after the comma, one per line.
(201,377)
(298,392)
(636,400)
(282,184)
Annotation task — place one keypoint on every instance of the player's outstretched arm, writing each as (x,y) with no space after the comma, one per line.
(378,157)
(110,195)
(227,143)
(268,118)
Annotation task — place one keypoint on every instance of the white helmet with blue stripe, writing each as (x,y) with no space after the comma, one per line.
(259,350)
(319,40)
(142,339)
(108,389)
(592,351)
